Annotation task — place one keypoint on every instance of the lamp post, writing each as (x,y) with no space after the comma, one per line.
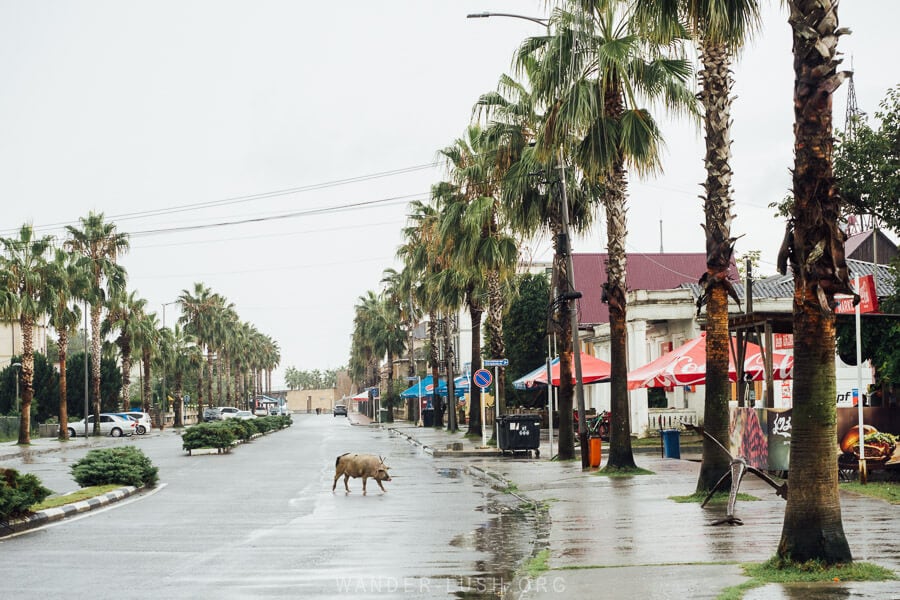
(18,368)
(572,295)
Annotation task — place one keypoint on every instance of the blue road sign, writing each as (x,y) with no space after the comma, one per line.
(482,378)
(497,362)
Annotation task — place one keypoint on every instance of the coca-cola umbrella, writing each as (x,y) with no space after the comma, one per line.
(593,370)
(686,365)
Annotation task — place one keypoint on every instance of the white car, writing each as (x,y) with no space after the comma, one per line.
(244,414)
(144,423)
(228,412)
(110,424)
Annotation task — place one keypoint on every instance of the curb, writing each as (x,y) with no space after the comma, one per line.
(51,515)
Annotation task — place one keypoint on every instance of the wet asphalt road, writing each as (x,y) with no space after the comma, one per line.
(262,522)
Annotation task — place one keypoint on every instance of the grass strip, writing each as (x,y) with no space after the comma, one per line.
(76,496)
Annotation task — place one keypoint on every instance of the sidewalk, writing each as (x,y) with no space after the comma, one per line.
(624,538)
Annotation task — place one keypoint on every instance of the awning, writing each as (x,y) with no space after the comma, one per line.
(593,370)
(686,365)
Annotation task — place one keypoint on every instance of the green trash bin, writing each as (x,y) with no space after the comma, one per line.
(671,441)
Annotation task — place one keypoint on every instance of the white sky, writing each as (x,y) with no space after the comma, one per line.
(133,107)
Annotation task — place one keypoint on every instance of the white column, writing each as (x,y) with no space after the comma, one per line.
(637,356)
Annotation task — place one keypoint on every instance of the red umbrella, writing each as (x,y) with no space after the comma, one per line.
(686,365)
(593,370)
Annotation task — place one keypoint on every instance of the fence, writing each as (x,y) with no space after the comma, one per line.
(671,419)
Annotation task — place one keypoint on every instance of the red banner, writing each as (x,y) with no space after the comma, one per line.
(868,299)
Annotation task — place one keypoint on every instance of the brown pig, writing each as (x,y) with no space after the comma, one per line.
(360,465)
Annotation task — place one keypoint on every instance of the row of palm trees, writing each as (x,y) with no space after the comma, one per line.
(43,283)
(571,124)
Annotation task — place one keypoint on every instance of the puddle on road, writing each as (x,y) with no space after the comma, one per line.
(450,472)
(511,535)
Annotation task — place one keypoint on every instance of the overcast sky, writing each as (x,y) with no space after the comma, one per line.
(269,149)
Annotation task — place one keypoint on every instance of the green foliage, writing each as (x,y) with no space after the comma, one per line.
(124,465)
(208,435)
(110,384)
(76,496)
(45,403)
(310,380)
(525,336)
(718,498)
(18,492)
(885,490)
(777,570)
(867,166)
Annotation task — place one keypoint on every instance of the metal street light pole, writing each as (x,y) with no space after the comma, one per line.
(165,396)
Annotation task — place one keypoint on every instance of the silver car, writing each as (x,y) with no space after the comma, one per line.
(144,423)
(110,424)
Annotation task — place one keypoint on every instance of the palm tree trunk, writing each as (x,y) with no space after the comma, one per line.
(475,423)
(716,99)
(126,377)
(209,378)
(95,365)
(620,452)
(813,529)
(179,409)
(452,418)
(433,359)
(495,322)
(63,344)
(27,326)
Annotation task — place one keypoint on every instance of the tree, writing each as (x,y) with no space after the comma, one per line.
(867,165)
(196,319)
(525,328)
(68,284)
(123,314)
(99,246)
(24,276)
(812,528)
(110,384)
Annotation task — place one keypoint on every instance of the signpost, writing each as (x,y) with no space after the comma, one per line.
(496,363)
(418,380)
(483,378)
(868,302)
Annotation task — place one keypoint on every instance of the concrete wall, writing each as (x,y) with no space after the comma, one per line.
(307,401)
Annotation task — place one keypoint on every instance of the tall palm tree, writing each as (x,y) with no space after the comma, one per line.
(147,339)
(124,311)
(813,529)
(99,245)
(24,277)
(67,285)
(477,164)
(533,197)
(721,27)
(598,77)
(196,318)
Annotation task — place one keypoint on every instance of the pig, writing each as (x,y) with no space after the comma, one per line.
(360,465)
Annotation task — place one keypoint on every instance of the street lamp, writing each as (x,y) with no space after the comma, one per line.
(18,368)
(572,295)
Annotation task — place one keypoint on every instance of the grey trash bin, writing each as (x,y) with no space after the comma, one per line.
(671,441)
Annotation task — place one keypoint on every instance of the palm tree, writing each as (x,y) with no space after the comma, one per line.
(534,204)
(124,311)
(813,529)
(598,75)
(24,277)
(721,27)
(99,246)
(196,319)
(186,360)
(67,284)
(477,164)
(147,339)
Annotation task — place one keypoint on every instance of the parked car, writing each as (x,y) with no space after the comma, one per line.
(213,413)
(110,424)
(244,414)
(228,412)
(279,411)
(340,409)
(144,423)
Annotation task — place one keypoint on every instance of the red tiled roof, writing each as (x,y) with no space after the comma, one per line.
(643,272)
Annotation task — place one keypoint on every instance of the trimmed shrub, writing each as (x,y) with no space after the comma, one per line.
(18,492)
(125,465)
(208,435)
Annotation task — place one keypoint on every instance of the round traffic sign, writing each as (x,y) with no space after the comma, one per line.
(482,378)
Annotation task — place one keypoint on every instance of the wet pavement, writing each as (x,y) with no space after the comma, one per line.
(621,537)
(624,537)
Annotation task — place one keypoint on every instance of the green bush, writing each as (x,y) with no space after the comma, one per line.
(208,435)
(124,465)
(18,492)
